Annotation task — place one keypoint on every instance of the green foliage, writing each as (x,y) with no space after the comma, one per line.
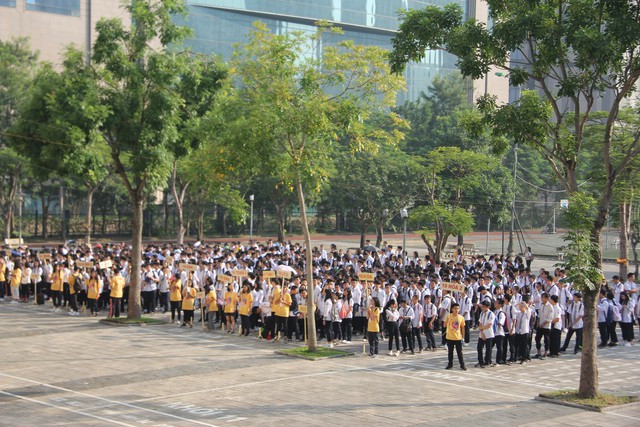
(291,107)
(453,221)
(580,259)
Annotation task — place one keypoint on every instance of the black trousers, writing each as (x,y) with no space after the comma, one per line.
(542,333)
(484,344)
(501,354)
(373,342)
(604,333)
(175,306)
(554,346)
(292,327)
(56,296)
(393,334)
(429,336)
(627,331)
(407,338)
(522,346)
(73,303)
(567,339)
(613,336)
(457,344)
(417,335)
(115,307)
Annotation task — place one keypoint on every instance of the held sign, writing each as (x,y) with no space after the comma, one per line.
(284,274)
(187,267)
(224,278)
(239,273)
(268,274)
(452,287)
(366,277)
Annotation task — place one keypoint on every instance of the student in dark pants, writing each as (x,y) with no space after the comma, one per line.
(575,324)
(454,324)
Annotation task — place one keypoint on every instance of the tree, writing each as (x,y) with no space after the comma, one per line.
(17,65)
(441,222)
(296,104)
(571,51)
(374,186)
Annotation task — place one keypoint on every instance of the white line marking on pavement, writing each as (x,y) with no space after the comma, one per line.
(115,402)
(244,384)
(621,415)
(28,399)
(437,382)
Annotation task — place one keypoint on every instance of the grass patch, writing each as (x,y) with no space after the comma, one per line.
(602,400)
(320,353)
(140,321)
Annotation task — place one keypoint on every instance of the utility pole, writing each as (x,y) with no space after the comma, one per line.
(513,205)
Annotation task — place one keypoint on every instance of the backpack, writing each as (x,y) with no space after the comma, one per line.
(615,312)
(77,284)
(343,311)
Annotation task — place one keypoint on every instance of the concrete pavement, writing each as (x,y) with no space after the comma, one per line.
(73,371)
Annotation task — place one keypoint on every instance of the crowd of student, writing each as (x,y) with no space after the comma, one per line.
(412,303)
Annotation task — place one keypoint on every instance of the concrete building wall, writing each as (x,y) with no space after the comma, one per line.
(50,32)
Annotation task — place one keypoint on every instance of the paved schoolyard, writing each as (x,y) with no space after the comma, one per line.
(60,370)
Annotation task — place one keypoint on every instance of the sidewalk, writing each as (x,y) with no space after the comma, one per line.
(74,371)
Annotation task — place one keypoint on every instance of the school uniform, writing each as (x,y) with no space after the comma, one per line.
(603,318)
(406,333)
(485,341)
(556,330)
(576,325)
(522,331)
(543,330)
(416,323)
(499,339)
(430,315)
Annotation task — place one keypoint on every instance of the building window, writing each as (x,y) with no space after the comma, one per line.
(8,3)
(61,7)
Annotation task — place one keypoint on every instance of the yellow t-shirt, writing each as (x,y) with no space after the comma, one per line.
(246,301)
(3,268)
(374,320)
(282,309)
(117,285)
(72,281)
(93,289)
(212,301)
(276,297)
(230,302)
(16,277)
(176,290)
(189,294)
(56,282)
(454,325)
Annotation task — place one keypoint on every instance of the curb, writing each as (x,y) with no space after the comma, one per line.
(299,356)
(116,324)
(569,404)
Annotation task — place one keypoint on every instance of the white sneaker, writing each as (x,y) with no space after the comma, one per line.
(331,345)
(565,330)
(344,341)
(347,342)
(1,299)
(391,353)
(13,301)
(397,353)
(627,344)
(465,344)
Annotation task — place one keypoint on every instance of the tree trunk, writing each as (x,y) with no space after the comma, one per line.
(312,342)
(379,235)
(87,233)
(200,223)
(178,200)
(461,240)
(280,219)
(363,235)
(45,200)
(134,309)
(165,212)
(625,226)
(588,364)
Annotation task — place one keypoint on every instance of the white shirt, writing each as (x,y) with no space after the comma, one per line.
(499,314)
(557,313)
(523,318)
(577,310)
(487,318)
(545,316)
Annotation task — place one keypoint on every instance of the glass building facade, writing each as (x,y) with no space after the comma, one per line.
(61,7)
(220,24)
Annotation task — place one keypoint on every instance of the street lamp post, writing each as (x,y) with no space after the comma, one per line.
(404,214)
(251,218)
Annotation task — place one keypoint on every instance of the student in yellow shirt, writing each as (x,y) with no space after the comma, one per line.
(56,287)
(244,308)
(117,286)
(175,297)
(373,326)
(3,278)
(94,288)
(282,313)
(188,301)
(211,302)
(73,293)
(454,325)
(16,278)
(230,305)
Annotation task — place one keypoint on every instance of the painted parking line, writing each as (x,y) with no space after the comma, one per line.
(62,408)
(111,401)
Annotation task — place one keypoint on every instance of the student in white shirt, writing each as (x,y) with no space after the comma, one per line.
(603,318)
(499,330)
(545,317)
(418,318)
(626,318)
(485,339)
(392,317)
(465,311)
(556,327)
(522,330)
(576,312)
(430,318)
(406,326)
